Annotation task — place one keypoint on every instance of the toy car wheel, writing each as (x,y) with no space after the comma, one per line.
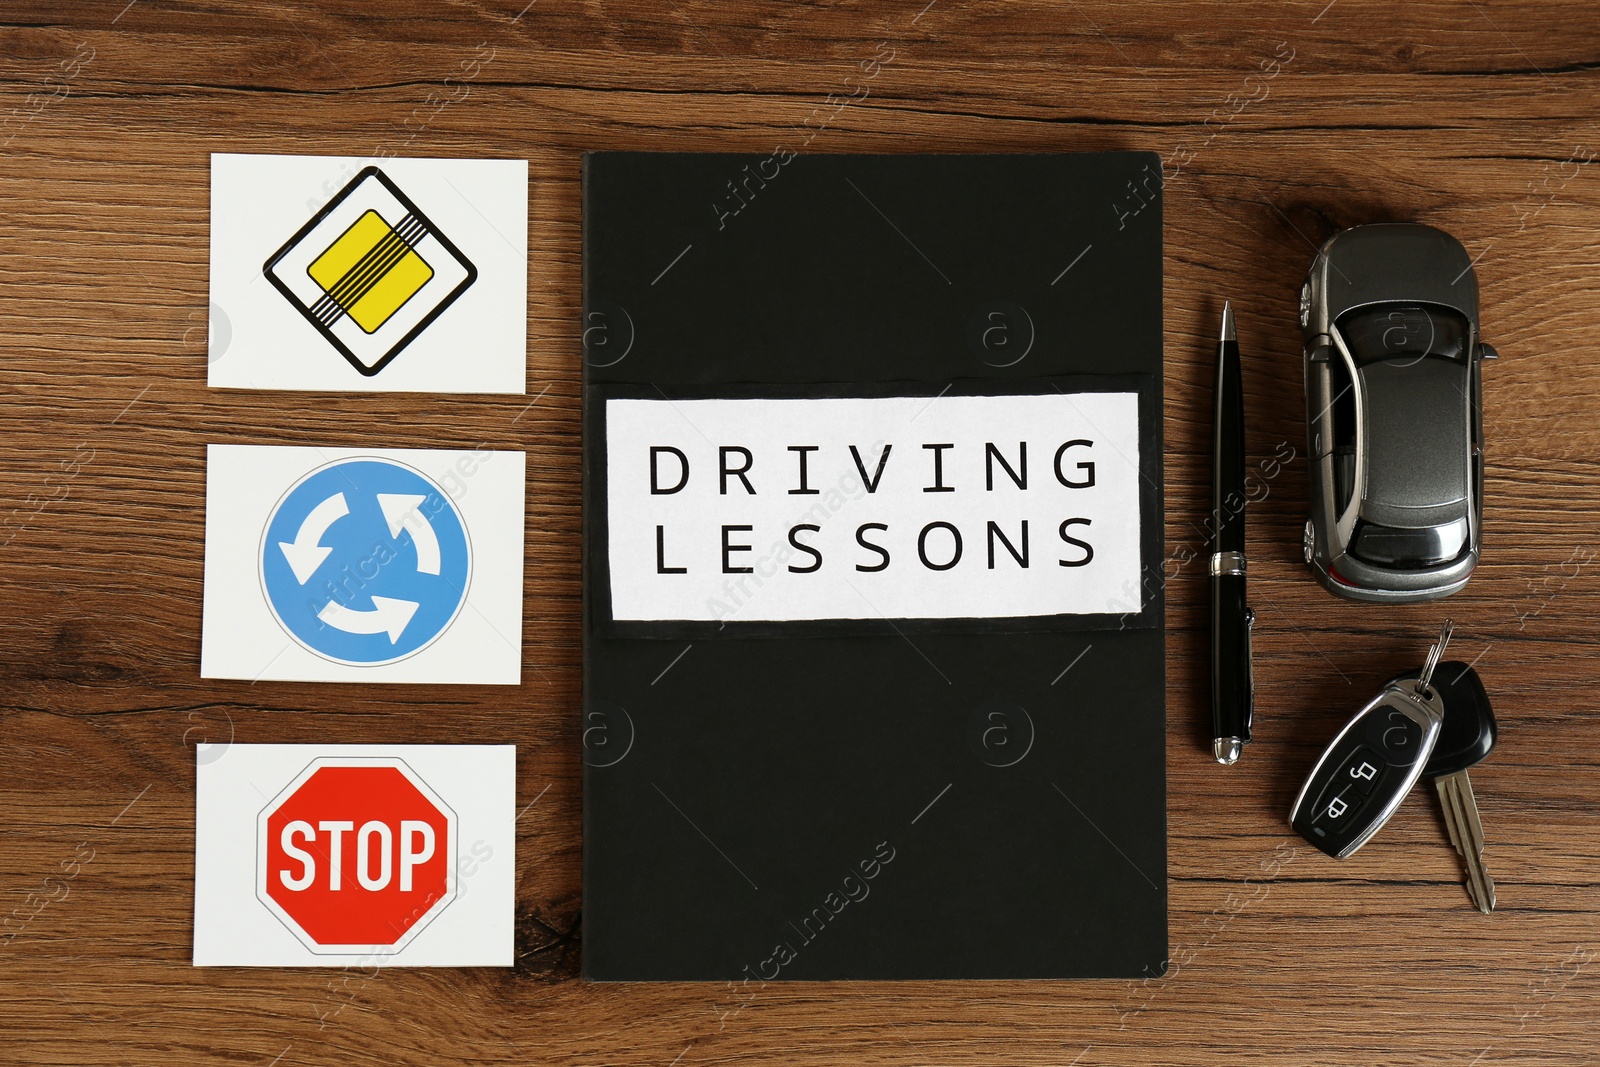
(1309,542)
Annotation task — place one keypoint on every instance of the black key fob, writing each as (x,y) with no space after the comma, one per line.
(1368,769)
(1469,731)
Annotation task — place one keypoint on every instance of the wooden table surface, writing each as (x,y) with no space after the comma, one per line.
(1279,123)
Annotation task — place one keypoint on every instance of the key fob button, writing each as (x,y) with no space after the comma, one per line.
(1363,771)
(1338,807)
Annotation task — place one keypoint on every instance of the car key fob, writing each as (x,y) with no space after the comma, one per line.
(1374,762)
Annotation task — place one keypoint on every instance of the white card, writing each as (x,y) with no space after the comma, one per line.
(354,855)
(341,273)
(863,508)
(363,565)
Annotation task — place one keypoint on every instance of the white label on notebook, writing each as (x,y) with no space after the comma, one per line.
(369,855)
(860,508)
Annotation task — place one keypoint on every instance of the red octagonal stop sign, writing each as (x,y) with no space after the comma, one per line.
(356,855)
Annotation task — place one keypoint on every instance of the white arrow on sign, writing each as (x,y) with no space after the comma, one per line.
(400,512)
(305,553)
(387,616)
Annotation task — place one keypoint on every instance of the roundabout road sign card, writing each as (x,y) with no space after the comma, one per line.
(341,273)
(340,855)
(363,565)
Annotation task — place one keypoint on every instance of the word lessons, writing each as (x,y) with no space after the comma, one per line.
(930,507)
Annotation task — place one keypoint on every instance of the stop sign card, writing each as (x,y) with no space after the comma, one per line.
(333,855)
(363,565)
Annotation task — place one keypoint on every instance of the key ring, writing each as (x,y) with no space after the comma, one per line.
(1425,681)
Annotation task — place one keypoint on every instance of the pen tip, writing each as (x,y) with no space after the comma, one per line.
(1227,321)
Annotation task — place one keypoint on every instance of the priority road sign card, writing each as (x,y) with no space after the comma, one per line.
(340,855)
(363,565)
(336,273)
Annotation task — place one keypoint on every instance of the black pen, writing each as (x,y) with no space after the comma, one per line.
(1232,688)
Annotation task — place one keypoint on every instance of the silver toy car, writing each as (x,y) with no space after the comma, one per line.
(1393,414)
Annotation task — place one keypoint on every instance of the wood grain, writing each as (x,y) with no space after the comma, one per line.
(1473,116)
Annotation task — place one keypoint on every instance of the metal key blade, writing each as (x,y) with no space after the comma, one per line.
(1466,834)
(1448,806)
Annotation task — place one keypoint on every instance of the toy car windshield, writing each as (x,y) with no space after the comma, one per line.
(1399,331)
(1391,546)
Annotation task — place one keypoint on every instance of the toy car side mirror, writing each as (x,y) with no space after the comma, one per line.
(1486,351)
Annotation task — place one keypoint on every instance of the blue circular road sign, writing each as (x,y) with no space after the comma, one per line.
(365,561)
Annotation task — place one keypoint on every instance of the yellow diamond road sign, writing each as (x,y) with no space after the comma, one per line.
(370,271)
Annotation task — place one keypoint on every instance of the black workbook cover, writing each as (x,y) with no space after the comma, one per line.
(873,648)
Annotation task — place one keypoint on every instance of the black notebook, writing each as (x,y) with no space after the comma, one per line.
(873,648)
